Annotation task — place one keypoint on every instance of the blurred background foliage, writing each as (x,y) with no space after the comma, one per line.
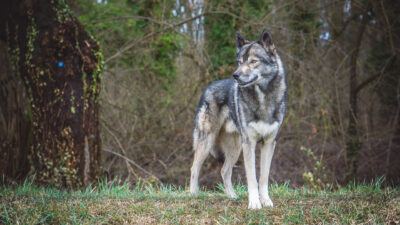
(160,54)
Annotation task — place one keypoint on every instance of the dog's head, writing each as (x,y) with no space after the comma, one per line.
(256,60)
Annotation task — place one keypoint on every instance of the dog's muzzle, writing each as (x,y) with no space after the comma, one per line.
(236,75)
(244,84)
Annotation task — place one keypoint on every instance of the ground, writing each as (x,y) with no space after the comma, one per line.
(112,203)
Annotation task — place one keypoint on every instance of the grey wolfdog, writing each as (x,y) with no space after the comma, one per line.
(237,113)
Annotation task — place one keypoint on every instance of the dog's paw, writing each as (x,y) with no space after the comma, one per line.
(195,194)
(266,202)
(232,195)
(254,203)
(194,191)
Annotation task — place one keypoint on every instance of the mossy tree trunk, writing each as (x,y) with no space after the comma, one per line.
(60,65)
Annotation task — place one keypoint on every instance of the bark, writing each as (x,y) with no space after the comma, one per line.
(14,123)
(60,65)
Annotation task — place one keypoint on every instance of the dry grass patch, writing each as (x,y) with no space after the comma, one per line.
(119,204)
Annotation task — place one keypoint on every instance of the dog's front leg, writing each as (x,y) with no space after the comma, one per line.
(250,167)
(267,151)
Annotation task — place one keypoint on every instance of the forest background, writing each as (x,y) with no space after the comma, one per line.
(342,65)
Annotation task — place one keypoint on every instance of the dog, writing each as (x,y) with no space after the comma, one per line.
(235,114)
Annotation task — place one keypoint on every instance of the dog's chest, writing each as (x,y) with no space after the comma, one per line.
(260,121)
(260,129)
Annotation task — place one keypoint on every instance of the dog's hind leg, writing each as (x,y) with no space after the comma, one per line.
(267,151)
(230,145)
(202,147)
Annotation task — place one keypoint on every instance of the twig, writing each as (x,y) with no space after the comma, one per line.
(133,163)
(115,138)
(122,149)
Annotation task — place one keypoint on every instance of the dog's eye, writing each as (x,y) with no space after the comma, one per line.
(253,61)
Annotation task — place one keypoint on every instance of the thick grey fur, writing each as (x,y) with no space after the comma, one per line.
(237,113)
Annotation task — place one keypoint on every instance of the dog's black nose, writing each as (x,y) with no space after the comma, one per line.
(236,75)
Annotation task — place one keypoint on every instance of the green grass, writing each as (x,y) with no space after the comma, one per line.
(113,203)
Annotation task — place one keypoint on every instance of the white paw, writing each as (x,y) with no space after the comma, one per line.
(232,195)
(266,201)
(254,203)
(194,191)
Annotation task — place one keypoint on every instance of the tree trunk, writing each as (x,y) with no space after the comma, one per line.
(60,65)
(14,122)
(353,140)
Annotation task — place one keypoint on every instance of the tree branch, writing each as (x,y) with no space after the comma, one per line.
(129,44)
(124,17)
(388,63)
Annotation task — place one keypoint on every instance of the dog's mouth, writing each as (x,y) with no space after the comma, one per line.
(248,83)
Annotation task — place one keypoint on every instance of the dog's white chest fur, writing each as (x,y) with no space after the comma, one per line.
(261,129)
(230,127)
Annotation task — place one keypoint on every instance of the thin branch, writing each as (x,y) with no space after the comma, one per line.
(133,163)
(388,63)
(115,138)
(230,14)
(345,24)
(124,17)
(122,149)
(131,43)
(126,158)
(392,48)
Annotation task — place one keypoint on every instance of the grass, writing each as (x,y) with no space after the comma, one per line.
(113,203)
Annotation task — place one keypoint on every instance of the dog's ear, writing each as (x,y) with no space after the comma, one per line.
(240,41)
(266,42)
